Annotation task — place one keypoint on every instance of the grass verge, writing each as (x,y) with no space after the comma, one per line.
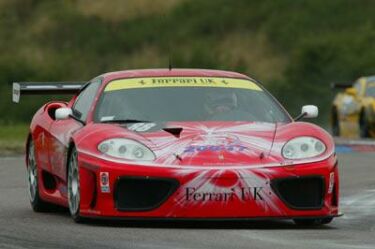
(12,139)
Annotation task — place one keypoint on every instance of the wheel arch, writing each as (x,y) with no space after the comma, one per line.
(71,146)
(27,149)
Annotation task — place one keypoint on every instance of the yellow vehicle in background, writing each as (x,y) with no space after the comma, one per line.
(353,110)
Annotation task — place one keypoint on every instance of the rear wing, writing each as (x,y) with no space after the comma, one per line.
(36,88)
(341,85)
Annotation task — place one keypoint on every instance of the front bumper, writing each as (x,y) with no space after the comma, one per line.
(111,189)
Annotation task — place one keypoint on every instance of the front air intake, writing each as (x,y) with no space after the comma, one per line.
(300,192)
(142,193)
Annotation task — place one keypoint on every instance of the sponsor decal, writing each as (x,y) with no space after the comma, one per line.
(42,138)
(229,187)
(104,182)
(331,182)
(241,193)
(181,82)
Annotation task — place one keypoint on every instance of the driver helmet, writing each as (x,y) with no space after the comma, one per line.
(220,102)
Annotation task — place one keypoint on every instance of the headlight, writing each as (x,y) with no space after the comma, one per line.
(126,148)
(303,147)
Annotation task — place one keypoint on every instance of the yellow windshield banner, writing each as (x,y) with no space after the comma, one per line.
(180,82)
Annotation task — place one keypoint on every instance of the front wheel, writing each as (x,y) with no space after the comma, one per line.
(74,186)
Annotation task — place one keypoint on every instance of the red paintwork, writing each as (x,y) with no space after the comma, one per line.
(221,170)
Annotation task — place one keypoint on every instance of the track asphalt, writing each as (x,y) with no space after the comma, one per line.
(21,228)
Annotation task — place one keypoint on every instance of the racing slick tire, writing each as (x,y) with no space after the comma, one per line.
(37,204)
(363,126)
(74,186)
(312,221)
(335,123)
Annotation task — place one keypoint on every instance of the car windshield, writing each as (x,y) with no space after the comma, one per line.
(187,99)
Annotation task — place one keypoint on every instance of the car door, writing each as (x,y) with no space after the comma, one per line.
(62,130)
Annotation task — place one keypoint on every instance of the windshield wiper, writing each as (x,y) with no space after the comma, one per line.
(125,121)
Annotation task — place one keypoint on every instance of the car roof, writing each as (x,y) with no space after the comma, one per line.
(171,73)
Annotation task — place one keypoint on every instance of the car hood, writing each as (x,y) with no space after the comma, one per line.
(206,143)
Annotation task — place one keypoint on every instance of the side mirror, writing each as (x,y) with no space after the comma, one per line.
(308,111)
(351,91)
(63,113)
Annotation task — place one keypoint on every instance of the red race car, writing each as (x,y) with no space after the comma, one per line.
(178,144)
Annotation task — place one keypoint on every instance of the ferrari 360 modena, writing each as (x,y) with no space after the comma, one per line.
(179,144)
